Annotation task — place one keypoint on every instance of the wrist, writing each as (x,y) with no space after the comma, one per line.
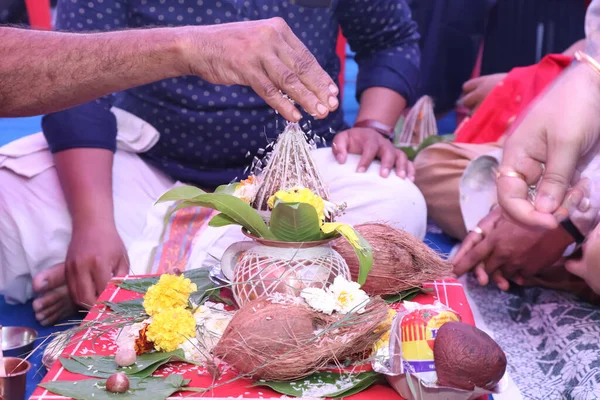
(100,219)
(180,45)
(381,128)
(188,40)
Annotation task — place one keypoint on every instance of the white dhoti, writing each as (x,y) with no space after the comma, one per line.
(35,227)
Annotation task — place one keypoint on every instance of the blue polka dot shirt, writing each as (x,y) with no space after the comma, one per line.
(209,133)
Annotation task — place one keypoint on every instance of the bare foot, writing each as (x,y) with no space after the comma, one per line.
(53,300)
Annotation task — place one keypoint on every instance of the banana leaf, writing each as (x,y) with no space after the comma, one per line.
(339,385)
(152,388)
(105,366)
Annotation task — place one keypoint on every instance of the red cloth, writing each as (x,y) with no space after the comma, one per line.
(506,101)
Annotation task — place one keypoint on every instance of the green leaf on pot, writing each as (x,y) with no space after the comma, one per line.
(199,276)
(295,222)
(234,208)
(361,247)
(105,366)
(325,384)
(227,189)
(180,193)
(220,220)
(152,388)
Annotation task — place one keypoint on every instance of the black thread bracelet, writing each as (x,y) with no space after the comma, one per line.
(568,225)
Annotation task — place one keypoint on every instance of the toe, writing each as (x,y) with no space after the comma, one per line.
(53,305)
(49,279)
(48,314)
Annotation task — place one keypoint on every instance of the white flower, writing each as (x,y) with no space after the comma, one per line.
(348,296)
(319,299)
(247,189)
(194,351)
(129,334)
(332,210)
(201,314)
(217,325)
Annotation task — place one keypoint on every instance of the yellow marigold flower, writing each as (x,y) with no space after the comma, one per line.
(384,340)
(170,292)
(171,328)
(299,195)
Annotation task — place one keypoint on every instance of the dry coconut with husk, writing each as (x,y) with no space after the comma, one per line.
(400,261)
(280,338)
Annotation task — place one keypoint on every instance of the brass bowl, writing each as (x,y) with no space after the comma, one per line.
(17,341)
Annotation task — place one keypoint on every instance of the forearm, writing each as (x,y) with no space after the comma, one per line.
(592,29)
(86,179)
(382,105)
(43,72)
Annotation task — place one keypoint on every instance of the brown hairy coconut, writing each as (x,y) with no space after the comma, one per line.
(400,261)
(466,357)
(280,338)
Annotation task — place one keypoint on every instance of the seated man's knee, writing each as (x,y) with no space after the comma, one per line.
(371,198)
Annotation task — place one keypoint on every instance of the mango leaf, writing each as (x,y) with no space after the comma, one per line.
(405,295)
(152,388)
(317,384)
(227,189)
(295,222)
(412,152)
(105,366)
(126,307)
(199,276)
(435,139)
(220,220)
(362,248)
(236,209)
(180,193)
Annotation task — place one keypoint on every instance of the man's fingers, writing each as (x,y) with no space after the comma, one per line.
(387,156)
(472,258)
(562,160)
(410,171)
(369,152)
(470,100)
(468,243)
(83,286)
(402,164)
(306,66)
(123,266)
(296,80)
(480,274)
(513,190)
(472,84)
(102,273)
(341,143)
(500,281)
(273,97)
